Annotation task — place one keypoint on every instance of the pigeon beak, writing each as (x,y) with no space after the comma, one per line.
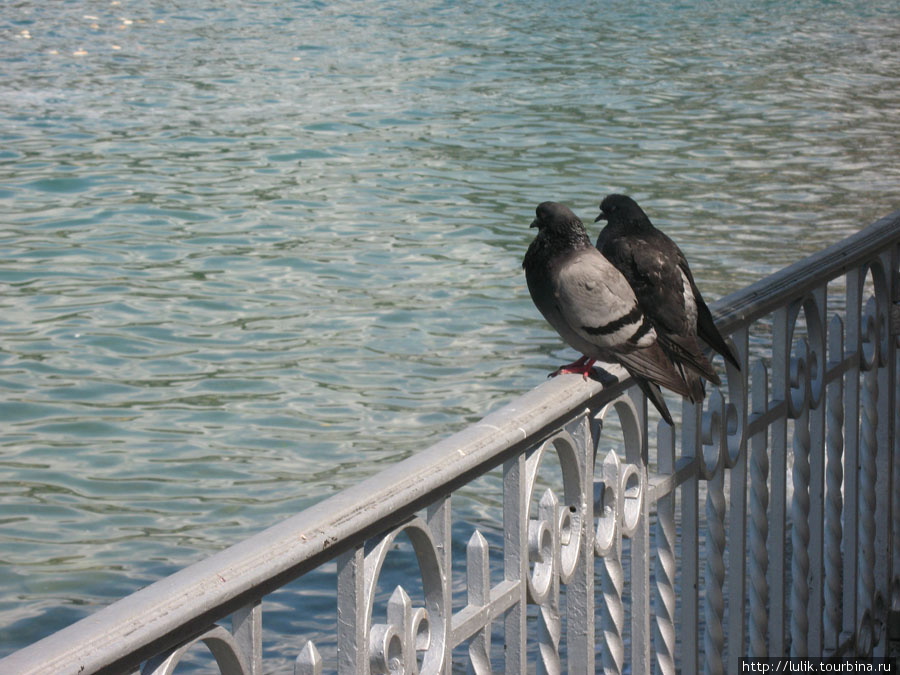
(534,223)
(602,216)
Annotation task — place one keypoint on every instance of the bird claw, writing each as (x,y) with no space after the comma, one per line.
(582,366)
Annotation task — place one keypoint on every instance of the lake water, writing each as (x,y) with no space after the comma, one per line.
(252,252)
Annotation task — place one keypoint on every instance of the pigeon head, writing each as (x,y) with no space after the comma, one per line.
(622,209)
(557,219)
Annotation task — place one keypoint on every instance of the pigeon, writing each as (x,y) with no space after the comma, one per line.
(590,304)
(659,274)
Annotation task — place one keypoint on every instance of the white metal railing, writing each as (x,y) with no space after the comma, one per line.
(800,555)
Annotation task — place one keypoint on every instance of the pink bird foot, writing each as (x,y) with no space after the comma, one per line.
(581,367)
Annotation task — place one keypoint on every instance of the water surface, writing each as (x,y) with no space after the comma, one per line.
(252,253)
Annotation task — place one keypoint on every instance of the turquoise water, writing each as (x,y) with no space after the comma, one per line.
(252,253)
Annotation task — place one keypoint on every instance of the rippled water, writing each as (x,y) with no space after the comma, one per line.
(252,252)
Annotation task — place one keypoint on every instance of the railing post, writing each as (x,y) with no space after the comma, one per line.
(893,363)
(478,587)
(246,625)
(759,520)
(309,661)
(438,518)
(780,381)
(352,647)
(714,638)
(738,486)
(666,565)
(818,381)
(800,534)
(515,559)
(612,573)
(852,345)
(690,528)
(580,591)
(549,617)
(834,505)
(868,495)
(887,405)
(895,489)
(640,554)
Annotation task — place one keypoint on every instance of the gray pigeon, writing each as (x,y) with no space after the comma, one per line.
(590,304)
(659,274)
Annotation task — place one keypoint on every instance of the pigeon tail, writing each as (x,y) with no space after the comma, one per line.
(652,364)
(653,394)
(706,329)
(695,385)
(686,354)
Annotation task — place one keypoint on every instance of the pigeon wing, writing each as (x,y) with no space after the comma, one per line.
(597,303)
(662,281)
(655,274)
(706,327)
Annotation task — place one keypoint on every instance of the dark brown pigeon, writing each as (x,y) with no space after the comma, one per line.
(659,274)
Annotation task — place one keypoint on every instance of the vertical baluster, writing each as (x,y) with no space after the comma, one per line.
(612,619)
(714,638)
(664,635)
(834,478)
(612,575)
(478,586)
(759,523)
(438,517)
(640,553)
(308,662)
(246,626)
(690,536)
(401,617)
(817,323)
(352,642)
(515,558)
(549,619)
(894,363)
(800,525)
(580,600)
(737,528)
(867,486)
(852,342)
(778,493)
(887,405)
